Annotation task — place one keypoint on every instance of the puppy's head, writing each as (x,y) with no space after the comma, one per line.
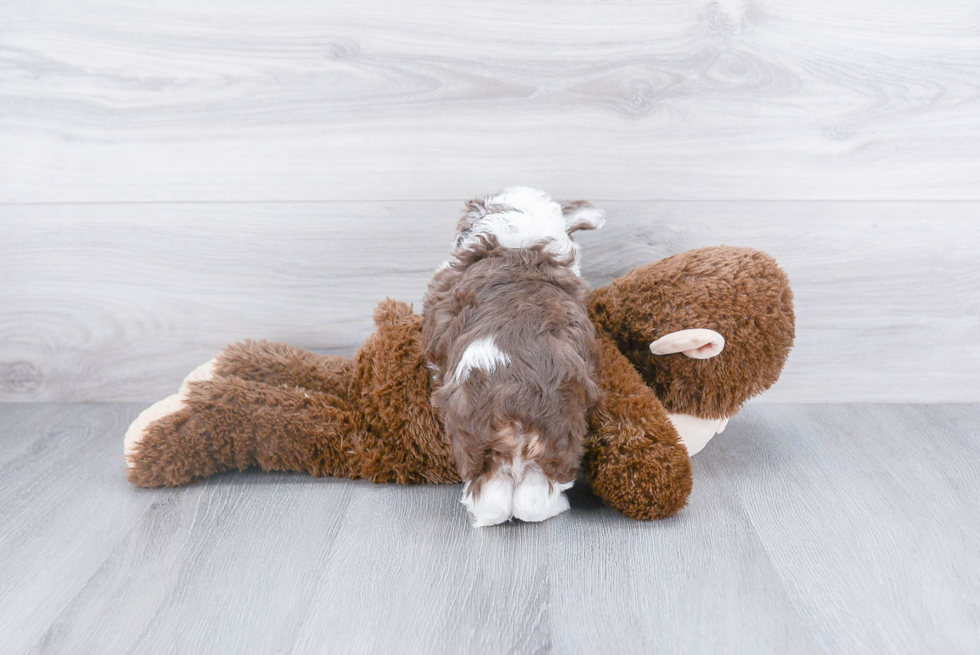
(521,217)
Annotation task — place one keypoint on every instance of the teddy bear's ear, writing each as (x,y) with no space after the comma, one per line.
(581,215)
(699,343)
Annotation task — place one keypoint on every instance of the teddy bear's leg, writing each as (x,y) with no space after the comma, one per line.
(494,504)
(634,457)
(279,364)
(229,423)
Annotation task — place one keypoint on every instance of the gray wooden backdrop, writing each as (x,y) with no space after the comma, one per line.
(178,175)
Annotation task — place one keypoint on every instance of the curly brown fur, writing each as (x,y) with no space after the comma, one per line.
(739,292)
(533,306)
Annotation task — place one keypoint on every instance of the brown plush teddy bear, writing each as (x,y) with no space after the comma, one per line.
(682,344)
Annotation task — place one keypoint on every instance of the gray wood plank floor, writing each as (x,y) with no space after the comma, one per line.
(812,529)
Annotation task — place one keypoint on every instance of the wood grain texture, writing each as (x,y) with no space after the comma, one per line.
(64,506)
(882,495)
(204,100)
(119,302)
(85,284)
(812,529)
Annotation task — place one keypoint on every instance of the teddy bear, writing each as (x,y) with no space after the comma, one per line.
(682,344)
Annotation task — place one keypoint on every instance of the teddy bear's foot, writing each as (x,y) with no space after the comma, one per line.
(695,433)
(169,405)
(202,373)
(137,429)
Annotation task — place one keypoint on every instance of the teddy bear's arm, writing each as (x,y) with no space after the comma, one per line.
(634,458)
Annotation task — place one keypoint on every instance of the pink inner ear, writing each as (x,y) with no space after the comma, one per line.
(698,343)
(707,350)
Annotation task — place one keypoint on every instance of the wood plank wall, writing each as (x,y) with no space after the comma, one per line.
(175,176)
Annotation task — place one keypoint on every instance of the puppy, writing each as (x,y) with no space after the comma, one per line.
(512,350)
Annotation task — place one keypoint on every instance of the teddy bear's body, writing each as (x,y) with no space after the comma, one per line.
(285,409)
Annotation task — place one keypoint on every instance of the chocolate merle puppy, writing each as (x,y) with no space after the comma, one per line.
(512,350)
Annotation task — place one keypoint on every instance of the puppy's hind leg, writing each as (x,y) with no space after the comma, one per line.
(537,498)
(492,504)
(519,488)
(537,495)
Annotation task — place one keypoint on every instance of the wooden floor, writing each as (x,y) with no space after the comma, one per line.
(812,529)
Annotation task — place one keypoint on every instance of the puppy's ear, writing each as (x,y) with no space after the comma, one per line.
(475,210)
(581,215)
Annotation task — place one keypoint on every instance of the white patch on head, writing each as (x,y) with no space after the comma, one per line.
(494,504)
(482,354)
(533,218)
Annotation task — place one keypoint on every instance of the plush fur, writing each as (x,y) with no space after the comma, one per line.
(285,409)
(282,408)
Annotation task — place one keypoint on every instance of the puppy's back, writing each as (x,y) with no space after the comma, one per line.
(512,346)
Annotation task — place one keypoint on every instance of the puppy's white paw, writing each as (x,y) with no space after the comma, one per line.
(536,500)
(202,373)
(494,503)
(137,429)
